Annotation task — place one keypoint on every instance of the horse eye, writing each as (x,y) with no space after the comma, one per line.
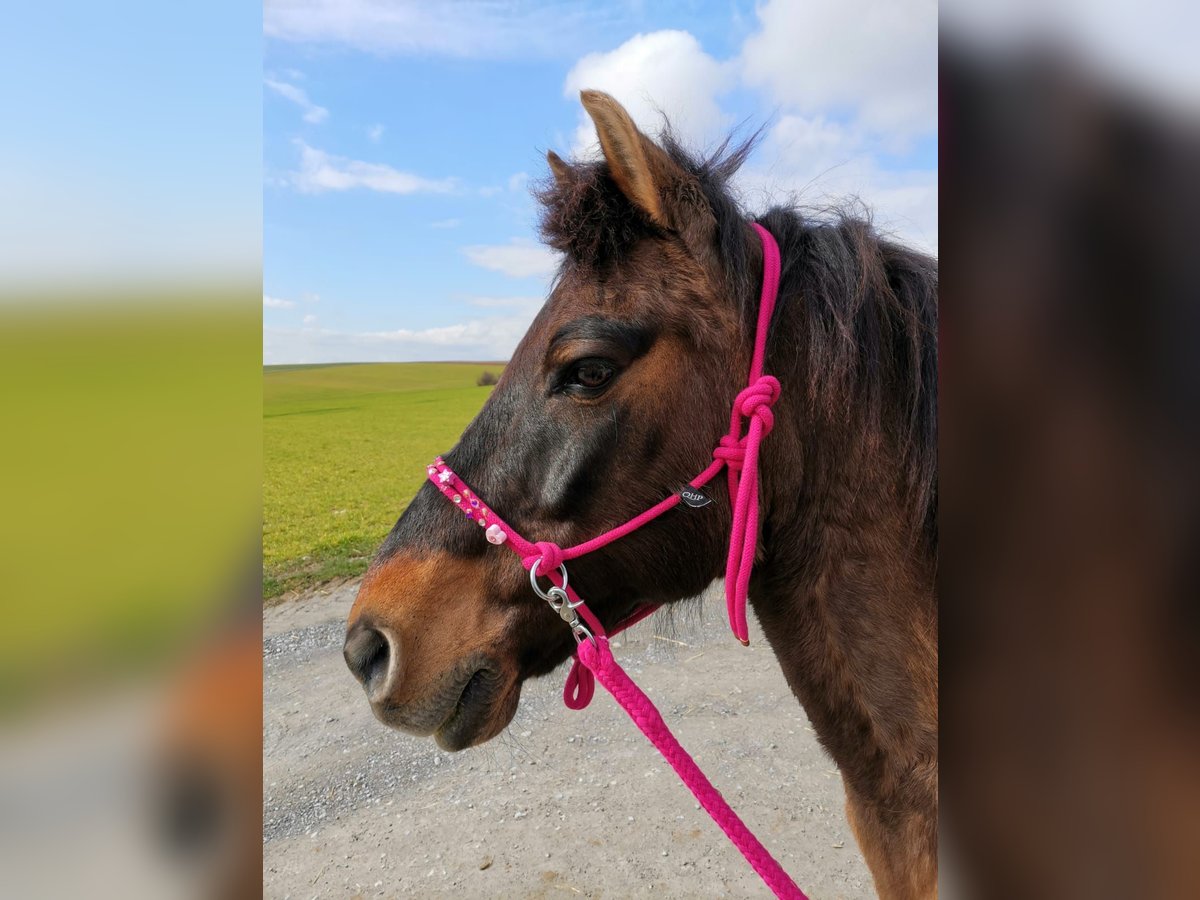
(592,374)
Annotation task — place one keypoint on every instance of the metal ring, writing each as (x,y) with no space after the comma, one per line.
(533,578)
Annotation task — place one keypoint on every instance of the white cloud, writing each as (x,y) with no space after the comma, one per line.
(851,84)
(518,181)
(312,113)
(465,29)
(876,59)
(519,258)
(375,133)
(320,171)
(310,319)
(811,144)
(818,164)
(652,74)
(276,303)
(492,338)
(446,223)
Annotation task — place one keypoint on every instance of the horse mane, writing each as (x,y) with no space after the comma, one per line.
(860,310)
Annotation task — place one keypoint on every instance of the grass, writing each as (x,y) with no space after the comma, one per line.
(344,450)
(130,473)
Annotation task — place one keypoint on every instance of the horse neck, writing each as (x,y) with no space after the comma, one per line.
(831,490)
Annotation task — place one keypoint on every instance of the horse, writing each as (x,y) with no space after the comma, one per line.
(616,395)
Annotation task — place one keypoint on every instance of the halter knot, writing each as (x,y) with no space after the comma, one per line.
(731,450)
(740,454)
(756,401)
(550,554)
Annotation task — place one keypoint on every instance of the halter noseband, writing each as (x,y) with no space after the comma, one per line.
(738,454)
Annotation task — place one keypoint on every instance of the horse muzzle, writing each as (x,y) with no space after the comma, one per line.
(432,664)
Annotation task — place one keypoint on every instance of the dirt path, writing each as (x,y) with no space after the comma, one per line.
(563,804)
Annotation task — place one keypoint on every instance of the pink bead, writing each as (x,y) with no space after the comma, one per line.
(495,534)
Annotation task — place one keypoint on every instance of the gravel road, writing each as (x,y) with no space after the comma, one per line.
(563,804)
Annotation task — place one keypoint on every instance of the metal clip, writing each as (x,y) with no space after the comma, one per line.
(560,602)
(581,632)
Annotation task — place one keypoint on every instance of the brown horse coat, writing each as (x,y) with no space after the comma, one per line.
(616,395)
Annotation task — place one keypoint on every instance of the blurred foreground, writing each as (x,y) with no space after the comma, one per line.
(1070,423)
(130,667)
(130,463)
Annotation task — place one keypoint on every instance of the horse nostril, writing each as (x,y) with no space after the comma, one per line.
(368,654)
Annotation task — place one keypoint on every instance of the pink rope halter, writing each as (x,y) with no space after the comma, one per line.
(736,452)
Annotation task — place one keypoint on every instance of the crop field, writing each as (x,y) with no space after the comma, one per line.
(344,450)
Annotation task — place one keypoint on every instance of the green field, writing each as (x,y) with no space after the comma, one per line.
(129,473)
(344,450)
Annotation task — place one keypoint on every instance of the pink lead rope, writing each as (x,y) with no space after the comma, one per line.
(593,660)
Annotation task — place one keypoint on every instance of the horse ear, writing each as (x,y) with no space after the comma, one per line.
(651,180)
(632,158)
(560,169)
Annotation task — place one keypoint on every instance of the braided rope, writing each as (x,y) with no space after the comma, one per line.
(599,660)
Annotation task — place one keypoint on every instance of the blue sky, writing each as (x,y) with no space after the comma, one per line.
(131,143)
(399,144)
